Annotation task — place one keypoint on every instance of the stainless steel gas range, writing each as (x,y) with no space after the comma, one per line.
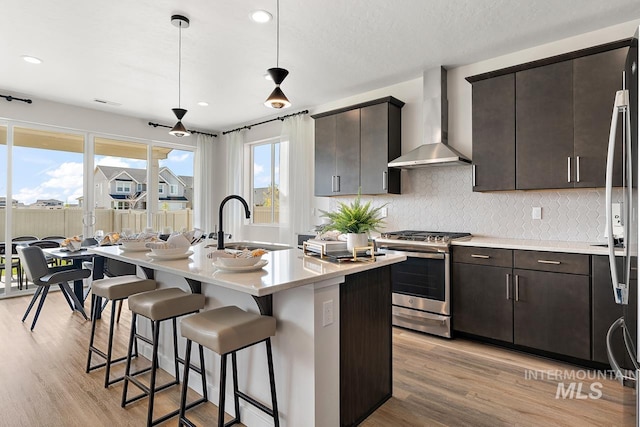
(422,284)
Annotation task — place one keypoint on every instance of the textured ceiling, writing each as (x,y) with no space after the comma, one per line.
(127,51)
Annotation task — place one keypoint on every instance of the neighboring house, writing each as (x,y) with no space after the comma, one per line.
(14,203)
(126,188)
(47,204)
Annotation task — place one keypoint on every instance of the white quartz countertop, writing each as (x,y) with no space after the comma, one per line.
(537,245)
(286,269)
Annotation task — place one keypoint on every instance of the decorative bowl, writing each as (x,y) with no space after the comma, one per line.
(169,251)
(238,262)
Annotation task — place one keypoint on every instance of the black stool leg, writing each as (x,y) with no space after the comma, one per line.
(154,368)
(272,382)
(176,368)
(236,398)
(110,344)
(91,337)
(185,383)
(127,370)
(203,374)
(223,380)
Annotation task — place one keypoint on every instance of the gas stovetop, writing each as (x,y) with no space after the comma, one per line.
(411,238)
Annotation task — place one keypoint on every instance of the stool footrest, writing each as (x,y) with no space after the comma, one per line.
(104,356)
(143,338)
(255,403)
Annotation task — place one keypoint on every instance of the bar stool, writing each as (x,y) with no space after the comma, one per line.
(114,289)
(226,330)
(158,306)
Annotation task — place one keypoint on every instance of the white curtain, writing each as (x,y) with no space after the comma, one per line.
(296,172)
(204,182)
(233,211)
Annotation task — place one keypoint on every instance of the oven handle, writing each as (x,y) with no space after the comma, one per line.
(429,255)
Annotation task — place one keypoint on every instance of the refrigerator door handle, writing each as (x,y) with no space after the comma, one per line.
(621,375)
(620,290)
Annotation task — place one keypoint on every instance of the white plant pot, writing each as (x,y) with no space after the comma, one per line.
(357,240)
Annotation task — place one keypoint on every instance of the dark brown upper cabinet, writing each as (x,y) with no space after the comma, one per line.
(353,146)
(545,124)
(493,126)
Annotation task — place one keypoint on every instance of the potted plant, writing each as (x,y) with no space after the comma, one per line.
(356,220)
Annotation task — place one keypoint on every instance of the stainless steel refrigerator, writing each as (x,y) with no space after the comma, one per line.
(624,280)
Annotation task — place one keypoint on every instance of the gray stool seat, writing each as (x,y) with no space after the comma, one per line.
(227,329)
(166,303)
(121,287)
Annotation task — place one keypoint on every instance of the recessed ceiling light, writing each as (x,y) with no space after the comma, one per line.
(31,59)
(260,16)
(203,104)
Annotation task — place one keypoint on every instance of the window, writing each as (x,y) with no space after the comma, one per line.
(173,189)
(139,188)
(265,182)
(161,189)
(123,187)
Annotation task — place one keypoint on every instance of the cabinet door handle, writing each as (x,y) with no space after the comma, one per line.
(577,168)
(544,261)
(480,256)
(473,175)
(508,281)
(385,180)
(517,287)
(333,183)
(337,183)
(568,169)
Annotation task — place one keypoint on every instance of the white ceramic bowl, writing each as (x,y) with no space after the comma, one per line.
(169,251)
(238,262)
(134,245)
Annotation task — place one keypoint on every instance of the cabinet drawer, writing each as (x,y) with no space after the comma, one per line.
(483,256)
(552,261)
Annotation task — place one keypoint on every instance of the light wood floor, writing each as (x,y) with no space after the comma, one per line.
(437,382)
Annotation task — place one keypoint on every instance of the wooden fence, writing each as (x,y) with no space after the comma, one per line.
(68,222)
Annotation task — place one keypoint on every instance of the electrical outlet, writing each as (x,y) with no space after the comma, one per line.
(383,212)
(327,313)
(617,215)
(536,212)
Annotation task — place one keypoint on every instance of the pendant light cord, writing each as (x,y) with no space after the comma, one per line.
(179,64)
(277,33)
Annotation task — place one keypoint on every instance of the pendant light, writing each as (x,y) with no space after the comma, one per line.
(277,99)
(179,130)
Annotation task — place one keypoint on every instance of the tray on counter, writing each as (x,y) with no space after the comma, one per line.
(364,253)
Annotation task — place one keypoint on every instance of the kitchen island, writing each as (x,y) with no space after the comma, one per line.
(332,349)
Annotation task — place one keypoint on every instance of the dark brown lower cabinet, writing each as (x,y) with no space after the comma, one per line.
(551,312)
(481,303)
(365,344)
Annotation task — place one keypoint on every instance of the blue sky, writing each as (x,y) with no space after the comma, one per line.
(51,174)
(262,165)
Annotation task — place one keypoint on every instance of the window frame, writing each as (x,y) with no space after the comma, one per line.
(120,187)
(249,175)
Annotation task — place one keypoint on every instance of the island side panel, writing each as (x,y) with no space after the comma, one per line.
(365,344)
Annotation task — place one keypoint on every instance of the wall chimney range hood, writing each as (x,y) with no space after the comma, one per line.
(436,151)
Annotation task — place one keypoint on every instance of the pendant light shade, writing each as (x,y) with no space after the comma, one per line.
(277,99)
(179,130)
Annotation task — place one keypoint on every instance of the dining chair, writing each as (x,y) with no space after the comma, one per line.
(24,238)
(54,238)
(47,244)
(14,264)
(43,276)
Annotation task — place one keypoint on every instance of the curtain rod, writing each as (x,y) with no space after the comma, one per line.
(155,125)
(12,98)
(281,118)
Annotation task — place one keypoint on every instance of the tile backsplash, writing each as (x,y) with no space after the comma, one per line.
(440,198)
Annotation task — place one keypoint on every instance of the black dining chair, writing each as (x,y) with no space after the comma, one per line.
(43,276)
(8,267)
(47,244)
(24,238)
(54,238)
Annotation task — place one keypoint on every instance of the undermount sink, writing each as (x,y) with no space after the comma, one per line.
(255,245)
